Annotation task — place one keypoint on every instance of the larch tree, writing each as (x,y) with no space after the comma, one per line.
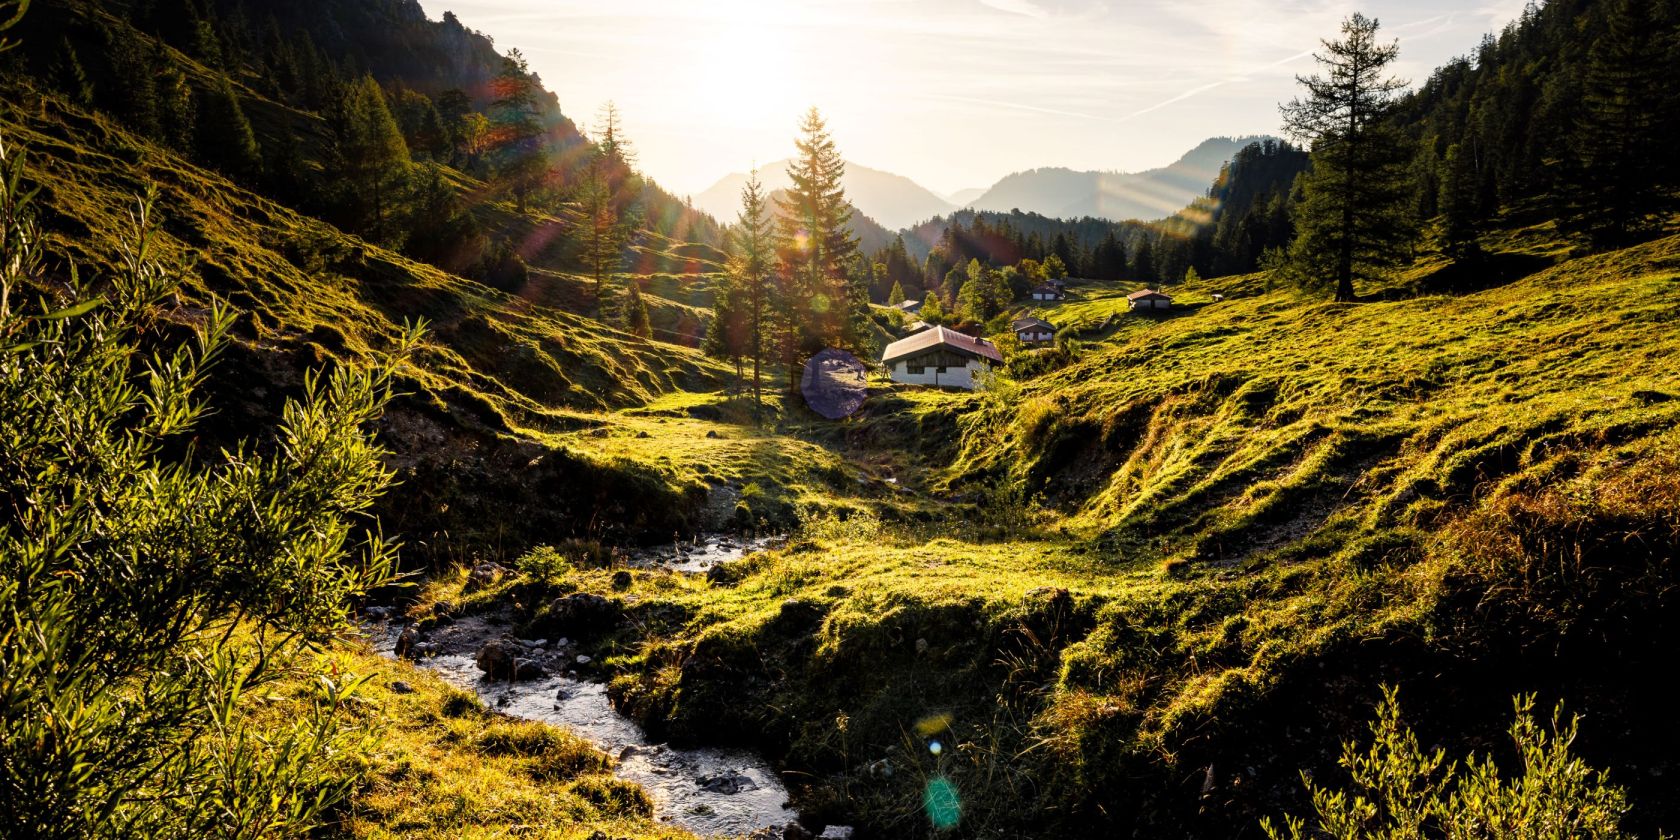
(608,199)
(519,158)
(751,260)
(370,153)
(1353,219)
(815,246)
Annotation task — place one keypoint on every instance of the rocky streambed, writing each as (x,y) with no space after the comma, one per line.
(709,791)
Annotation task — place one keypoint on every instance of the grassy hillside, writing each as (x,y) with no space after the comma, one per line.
(1157,584)
(495,372)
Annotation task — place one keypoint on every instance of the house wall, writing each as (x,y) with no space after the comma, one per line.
(1035,335)
(952,377)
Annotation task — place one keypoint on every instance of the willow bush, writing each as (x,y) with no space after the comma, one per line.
(151,594)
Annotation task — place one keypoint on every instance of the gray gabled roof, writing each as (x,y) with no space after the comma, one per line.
(925,340)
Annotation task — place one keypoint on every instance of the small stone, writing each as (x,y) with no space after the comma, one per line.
(564,642)
(400,687)
(836,832)
(628,751)
(621,579)
(584,659)
(795,831)
(527,669)
(921,646)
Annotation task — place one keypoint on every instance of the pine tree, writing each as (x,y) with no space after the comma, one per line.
(1620,182)
(225,139)
(752,249)
(1353,219)
(369,153)
(519,158)
(636,321)
(896,295)
(815,245)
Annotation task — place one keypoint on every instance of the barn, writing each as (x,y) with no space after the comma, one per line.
(1147,299)
(940,357)
(1032,330)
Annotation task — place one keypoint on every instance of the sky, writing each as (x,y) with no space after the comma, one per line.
(952,93)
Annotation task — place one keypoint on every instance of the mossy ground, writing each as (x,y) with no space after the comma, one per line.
(1161,581)
(441,765)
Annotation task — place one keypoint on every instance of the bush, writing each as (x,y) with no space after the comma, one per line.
(146,590)
(543,563)
(1403,793)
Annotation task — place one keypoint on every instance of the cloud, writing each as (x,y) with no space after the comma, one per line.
(1018,7)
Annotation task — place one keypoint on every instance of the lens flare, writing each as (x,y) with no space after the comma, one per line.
(940,800)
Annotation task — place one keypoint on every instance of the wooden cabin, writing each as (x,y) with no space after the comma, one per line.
(1047,291)
(940,357)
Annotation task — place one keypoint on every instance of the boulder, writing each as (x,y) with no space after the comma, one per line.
(400,687)
(582,613)
(528,669)
(496,658)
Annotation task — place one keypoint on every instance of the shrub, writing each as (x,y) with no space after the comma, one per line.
(1404,793)
(543,563)
(146,590)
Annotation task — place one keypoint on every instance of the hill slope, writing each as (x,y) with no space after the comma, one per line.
(1173,575)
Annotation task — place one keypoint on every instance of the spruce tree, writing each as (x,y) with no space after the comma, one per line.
(1460,215)
(1353,219)
(752,250)
(896,295)
(815,245)
(1620,182)
(225,139)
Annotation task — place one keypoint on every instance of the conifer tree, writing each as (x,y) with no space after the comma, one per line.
(519,159)
(752,251)
(636,321)
(1460,215)
(1143,262)
(1620,182)
(1353,218)
(896,295)
(225,139)
(177,109)
(816,245)
(370,153)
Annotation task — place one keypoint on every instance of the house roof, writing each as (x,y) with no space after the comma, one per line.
(908,306)
(940,337)
(1043,288)
(1030,322)
(1144,293)
(915,326)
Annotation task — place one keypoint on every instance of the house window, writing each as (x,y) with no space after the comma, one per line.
(940,369)
(914,370)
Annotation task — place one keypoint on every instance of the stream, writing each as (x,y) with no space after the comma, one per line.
(710,791)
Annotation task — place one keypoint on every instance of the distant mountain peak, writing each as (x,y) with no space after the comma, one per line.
(894,201)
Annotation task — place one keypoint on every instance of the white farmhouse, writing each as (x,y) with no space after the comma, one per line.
(940,357)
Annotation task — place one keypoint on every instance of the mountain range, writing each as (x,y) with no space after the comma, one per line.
(897,202)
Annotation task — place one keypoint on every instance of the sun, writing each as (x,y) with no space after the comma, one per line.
(745,56)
